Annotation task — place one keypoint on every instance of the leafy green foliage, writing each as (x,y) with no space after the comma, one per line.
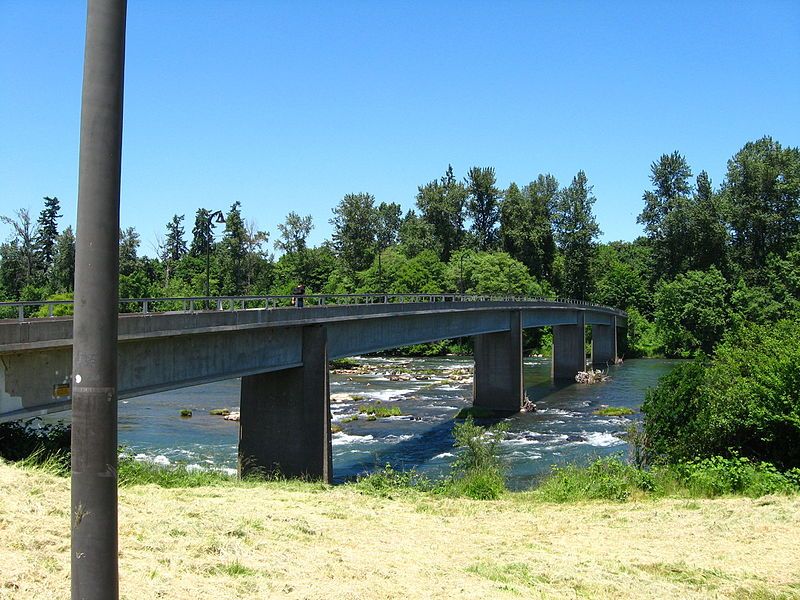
(380,411)
(483,206)
(442,206)
(762,192)
(613,479)
(32,439)
(355,228)
(526,224)
(604,479)
(692,312)
(745,401)
(576,232)
(477,472)
(718,476)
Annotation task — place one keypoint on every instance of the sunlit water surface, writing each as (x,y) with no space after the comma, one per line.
(562,430)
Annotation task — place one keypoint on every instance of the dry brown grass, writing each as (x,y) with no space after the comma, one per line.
(278,542)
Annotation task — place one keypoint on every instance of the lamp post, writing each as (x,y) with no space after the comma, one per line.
(220,218)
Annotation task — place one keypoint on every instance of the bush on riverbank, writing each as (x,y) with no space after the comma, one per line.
(34,441)
(745,401)
(613,479)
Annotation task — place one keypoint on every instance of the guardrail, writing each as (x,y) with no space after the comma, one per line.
(32,309)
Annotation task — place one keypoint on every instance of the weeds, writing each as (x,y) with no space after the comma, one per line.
(378,411)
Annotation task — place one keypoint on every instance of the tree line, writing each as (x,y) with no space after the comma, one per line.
(711,257)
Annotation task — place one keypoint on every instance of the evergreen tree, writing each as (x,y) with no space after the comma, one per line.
(483,206)
(442,204)
(47,232)
(355,227)
(202,233)
(233,250)
(174,244)
(576,231)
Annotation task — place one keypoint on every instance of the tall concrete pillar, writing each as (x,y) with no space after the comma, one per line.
(569,351)
(604,343)
(285,416)
(498,368)
(622,338)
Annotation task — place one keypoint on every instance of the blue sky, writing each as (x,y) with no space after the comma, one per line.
(290,105)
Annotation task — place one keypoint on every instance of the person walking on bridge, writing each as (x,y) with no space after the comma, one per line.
(298,293)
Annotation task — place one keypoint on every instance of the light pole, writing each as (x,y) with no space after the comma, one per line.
(94,545)
(220,218)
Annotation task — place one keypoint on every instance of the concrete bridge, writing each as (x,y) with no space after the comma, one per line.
(282,354)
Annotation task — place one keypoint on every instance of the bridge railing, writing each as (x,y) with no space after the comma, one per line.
(33,309)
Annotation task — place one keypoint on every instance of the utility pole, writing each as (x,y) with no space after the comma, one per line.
(94,356)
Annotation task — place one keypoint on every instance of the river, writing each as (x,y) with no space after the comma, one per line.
(564,428)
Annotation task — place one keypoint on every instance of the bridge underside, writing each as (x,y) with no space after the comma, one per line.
(282,360)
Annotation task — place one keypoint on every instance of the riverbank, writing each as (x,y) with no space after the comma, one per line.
(294,540)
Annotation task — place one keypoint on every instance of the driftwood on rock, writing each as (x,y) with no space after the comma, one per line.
(590,376)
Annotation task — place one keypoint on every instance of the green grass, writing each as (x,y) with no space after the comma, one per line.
(219,412)
(613,479)
(185,412)
(614,411)
(379,411)
(133,472)
(234,569)
(344,363)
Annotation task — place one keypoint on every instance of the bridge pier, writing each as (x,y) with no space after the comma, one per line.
(285,416)
(498,368)
(569,350)
(604,343)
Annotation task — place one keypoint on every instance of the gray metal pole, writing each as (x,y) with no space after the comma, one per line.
(94,363)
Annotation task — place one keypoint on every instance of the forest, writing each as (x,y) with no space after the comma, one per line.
(711,258)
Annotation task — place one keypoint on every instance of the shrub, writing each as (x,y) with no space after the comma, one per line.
(717,476)
(389,481)
(745,401)
(604,479)
(478,484)
(35,441)
(477,471)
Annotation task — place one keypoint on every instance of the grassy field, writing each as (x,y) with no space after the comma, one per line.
(291,540)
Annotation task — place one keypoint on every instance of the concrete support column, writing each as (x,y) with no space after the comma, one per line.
(604,344)
(622,339)
(285,416)
(569,352)
(498,368)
